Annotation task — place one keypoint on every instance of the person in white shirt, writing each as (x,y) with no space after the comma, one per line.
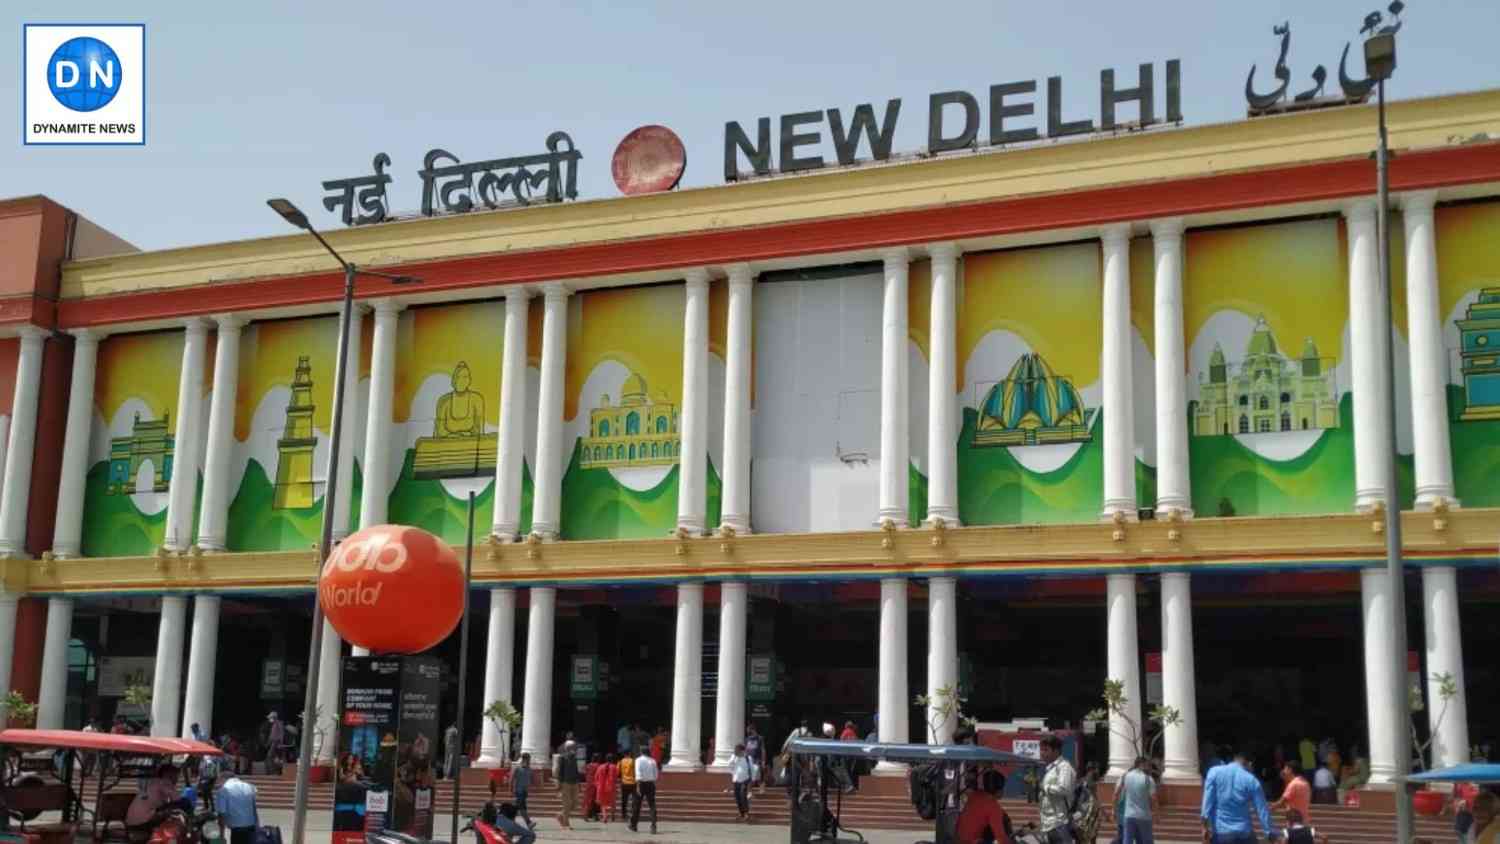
(739,778)
(646,773)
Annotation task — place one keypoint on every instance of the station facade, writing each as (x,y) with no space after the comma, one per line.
(887,429)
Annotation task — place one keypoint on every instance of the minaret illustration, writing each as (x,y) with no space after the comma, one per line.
(294,464)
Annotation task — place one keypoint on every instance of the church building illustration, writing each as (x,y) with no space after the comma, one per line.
(639,431)
(1033,406)
(1269,393)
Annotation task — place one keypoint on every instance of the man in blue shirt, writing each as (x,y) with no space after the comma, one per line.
(235,803)
(1229,792)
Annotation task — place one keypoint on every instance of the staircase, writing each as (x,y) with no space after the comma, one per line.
(863,812)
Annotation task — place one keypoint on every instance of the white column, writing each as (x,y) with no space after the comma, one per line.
(692,501)
(536,723)
(499,667)
(343,503)
(1122,659)
(1366,320)
(687,680)
(942,405)
(1173,487)
(198,703)
(375,496)
(1429,370)
(8,604)
(1119,415)
(52,698)
(942,653)
(1178,689)
(1445,655)
(330,673)
(67,534)
(15,495)
(213,518)
(183,492)
(729,713)
(166,684)
(1375,597)
(895,448)
(736,497)
(511,454)
(893,712)
(546,502)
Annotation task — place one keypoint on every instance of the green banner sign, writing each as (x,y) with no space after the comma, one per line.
(760,685)
(585,677)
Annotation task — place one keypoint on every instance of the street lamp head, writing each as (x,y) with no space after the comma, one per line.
(290,213)
(1380,55)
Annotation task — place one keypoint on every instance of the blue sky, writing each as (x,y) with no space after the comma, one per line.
(272,98)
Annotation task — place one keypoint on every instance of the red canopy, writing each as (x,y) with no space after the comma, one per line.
(79,740)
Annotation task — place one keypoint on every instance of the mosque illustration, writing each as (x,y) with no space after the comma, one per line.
(1479,336)
(148,441)
(1033,406)
(1269,392)
(294,451)
(459,446)
(639,431)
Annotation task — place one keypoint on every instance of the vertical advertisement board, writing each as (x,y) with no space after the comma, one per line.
(388,732)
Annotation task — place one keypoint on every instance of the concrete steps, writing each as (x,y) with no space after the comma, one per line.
(860,811)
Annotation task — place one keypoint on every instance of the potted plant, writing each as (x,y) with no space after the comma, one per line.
(139,696)
(17,711)
(1425,801)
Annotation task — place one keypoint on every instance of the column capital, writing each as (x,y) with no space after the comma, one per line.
(691,588)
(740,274)
(1176,577)
(1117,235)
(195,325)
(896,255)
(696,277)
(1360,210)
(388,307)
(1167,228)
(34,333)
(555,290)
(1419,202)
(230,322)
(942,251)
(88,335)
(520,293)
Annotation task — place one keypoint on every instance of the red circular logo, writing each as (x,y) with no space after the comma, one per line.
(392,589)
(649,160)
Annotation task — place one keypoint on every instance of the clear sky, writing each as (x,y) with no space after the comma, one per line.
(270,98)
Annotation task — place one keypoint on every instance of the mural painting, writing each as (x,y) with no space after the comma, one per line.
(1468,247)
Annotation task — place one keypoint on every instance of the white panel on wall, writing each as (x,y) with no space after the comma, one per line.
(817,418)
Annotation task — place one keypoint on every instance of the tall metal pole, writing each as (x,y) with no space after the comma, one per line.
(463,661)
(330,495)
(1395,570)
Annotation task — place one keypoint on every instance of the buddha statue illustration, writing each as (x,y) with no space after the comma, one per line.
(459,446)
(461,412)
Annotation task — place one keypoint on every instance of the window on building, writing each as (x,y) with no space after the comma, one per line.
(661,424)
(1265,403)
(1262,426)
(656,449)
(632,424)
(1305,425)
(609,452)
(632,452)
(598,452)
(1244,401)
(603,427)
(1286,398)
(1286,421)
(1244,424)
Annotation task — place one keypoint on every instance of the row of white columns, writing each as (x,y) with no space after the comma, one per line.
(1433,462)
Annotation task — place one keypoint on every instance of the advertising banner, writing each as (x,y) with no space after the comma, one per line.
(118,673)
(760,685)
(272,679)
(421,691)
(585,677)
(387,740)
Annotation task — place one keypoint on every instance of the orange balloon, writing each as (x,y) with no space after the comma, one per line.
(392,589)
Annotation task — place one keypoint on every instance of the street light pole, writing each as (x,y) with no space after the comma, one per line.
(291,214)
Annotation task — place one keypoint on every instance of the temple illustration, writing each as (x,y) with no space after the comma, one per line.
(459,446)
(148,441)
(294,451)
(1033,406)
(639,431)
(1269,392)
(1479,343)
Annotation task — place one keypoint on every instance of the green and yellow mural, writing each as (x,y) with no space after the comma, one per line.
(130,454)
(622,412)
(1468,247)
(1030,447)
(1270,421)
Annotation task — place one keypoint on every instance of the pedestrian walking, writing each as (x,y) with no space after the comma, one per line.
(590,788)
(1137,803)
(450,752)
(208,778)
(275,736)
(568,778)
(1230,794)
(1056,795)
(1296,794)
(755,751)
(627,783)
(739,780)
(646,773)
(606,786)
(235,805)
(520,787)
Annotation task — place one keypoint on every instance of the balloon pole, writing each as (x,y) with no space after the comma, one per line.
(463,663)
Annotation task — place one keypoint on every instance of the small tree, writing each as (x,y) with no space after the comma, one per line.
(947,703)
(17,710)
(1116,702)
(506,718)
(1447,691)
(139,695)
